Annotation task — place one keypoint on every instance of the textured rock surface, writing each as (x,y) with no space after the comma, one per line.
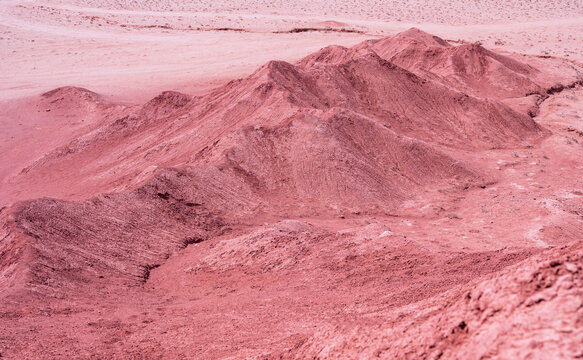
(532,310)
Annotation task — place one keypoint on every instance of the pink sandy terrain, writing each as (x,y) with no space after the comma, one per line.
(215,180)
(136,49)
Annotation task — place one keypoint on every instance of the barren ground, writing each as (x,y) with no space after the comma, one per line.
(202,180)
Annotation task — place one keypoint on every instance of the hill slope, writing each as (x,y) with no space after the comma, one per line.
(362,202)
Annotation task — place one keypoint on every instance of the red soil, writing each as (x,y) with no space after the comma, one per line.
(362,202)
(358,80)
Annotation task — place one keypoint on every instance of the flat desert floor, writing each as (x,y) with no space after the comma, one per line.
(136,49)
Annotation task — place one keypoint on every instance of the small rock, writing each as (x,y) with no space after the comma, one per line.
(571,267)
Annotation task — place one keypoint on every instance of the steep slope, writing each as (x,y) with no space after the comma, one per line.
(342,159)
(30,126)
(530,310)
(341,164)
(59,247)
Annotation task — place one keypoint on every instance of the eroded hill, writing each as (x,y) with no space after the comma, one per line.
(294,212)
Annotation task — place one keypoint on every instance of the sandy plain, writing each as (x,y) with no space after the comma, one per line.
(138,49)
